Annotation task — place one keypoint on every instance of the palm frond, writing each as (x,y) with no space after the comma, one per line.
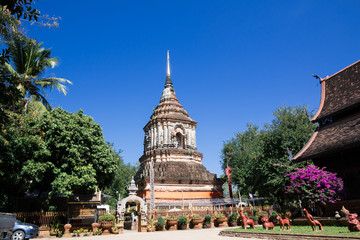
(53,82)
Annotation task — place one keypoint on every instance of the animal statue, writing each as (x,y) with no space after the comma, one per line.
(354,225)
(245,220)
(344,212)
(284,222)
(267,224)
(313,223)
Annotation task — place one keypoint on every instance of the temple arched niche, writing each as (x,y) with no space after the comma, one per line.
(179,136)
(180,140)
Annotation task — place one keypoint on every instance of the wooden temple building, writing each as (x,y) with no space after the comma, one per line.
(171,157)
(335,143)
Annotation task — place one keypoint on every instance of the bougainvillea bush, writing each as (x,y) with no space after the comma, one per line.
(314,185)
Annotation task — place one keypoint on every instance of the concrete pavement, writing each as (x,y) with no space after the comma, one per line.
(208,234)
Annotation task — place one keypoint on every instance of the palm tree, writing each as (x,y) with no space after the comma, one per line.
(30,61)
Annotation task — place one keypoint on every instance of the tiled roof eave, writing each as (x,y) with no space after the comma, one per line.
(333,137)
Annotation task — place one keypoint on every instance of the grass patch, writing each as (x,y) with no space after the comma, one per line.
(328,230)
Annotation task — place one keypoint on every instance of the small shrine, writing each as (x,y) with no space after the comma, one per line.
(335,144)
(141,207)
(171,159)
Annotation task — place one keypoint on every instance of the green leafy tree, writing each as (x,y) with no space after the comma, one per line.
(57,153)
(121,180)
(288,132)
(243,153)
(260,158)
(21,9)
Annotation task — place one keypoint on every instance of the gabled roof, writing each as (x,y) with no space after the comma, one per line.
(331,138)
(339,92)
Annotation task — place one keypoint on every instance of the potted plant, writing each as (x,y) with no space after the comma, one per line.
(171,222)
(220,219)
(182,223)
(54,226)
(107,221)
(255,218)
(195,221)
(115,229)
(232,219)
(160,224)
(59,234)
(151,225)
(85,232)
(207,221)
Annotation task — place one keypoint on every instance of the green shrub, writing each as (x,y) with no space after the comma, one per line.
(195,216)
(207,219)
(107,217)
(219,215)
(171,217)
(255,211)
(273,216)
(233,217)
(182,220)
(160,222)
(255,218)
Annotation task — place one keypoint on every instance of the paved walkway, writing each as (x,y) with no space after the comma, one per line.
(207,234)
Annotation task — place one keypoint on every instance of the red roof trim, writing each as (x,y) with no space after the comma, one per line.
(306,146)
(322,101)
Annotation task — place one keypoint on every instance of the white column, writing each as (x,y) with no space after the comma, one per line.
(152,136)
(194,137)
(155,136)
(165,133)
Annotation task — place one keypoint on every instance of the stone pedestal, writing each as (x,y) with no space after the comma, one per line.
(67,228)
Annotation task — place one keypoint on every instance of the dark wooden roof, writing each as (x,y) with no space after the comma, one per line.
(339,92)
(333,137)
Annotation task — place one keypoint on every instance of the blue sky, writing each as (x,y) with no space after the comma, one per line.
(232,62)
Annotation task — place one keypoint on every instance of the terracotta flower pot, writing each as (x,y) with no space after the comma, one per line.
(171,224)
(232,224)
(196,223)
(106,226)
(151,229)
(207,225)
(183,227)
(159,228)
(220,222)
(221,219)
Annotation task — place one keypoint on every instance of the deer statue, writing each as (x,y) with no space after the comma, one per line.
(313,223)
(283,222)
(245,220)
(354,225)
(267,224)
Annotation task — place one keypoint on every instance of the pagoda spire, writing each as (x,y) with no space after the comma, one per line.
(168,82)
